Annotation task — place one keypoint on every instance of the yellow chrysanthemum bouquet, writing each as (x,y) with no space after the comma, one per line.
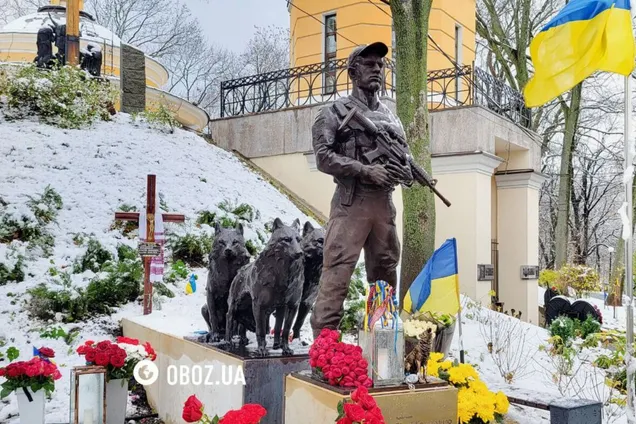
(476,404)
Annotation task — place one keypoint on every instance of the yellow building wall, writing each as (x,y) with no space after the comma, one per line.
(360,22)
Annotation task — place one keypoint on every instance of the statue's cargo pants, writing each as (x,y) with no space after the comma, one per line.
(369,224)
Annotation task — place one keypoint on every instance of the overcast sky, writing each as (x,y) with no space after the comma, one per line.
(230,23)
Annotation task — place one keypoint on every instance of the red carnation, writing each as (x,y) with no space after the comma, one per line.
(128,340)
(151,352)
(82,350)
(89,343)
(47,352)
(90,356)
(344,420)
(192,410)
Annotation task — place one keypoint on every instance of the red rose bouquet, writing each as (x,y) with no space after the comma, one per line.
(248,414)
(119,358)
(361,410)
(340,364)
(35,374)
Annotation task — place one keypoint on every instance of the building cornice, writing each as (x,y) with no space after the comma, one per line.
(524,179)
(460,163)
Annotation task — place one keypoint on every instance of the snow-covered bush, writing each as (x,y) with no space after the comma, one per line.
(94,258)
(160,116)
(192,249)
(506,339)
(27,222)
(118,282)
(67,97)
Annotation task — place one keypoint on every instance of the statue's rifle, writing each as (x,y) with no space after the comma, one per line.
(390,149)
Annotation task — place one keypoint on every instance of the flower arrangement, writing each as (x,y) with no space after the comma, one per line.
(35,374)
(476,404)
(414,327)
(361,410)
(249,414)
(119,358)
(340,364)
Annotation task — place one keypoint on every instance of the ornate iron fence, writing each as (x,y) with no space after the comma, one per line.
(325,82)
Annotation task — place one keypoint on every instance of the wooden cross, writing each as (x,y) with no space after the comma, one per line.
(150,233)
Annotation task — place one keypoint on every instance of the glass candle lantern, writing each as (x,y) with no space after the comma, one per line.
(88,395)
(383,348)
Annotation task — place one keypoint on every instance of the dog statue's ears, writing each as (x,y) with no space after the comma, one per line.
(307,228)
(296,224)
(217,227)
(277,224)
(239,228)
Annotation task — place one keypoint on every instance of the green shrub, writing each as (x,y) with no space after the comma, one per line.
(161,117)
(548,277)
(178,271)
(46,301)
(580,278)
(64,97)
(190,248)
(121,284)
(563,327)
(125,227)
(94,258)
(206,218)
(162,290)
(587,327)
(241,212)
(30,225)
(12,273)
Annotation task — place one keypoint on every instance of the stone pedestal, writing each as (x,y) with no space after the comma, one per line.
(308,401)
(576,411)
(264,377)
(133,80)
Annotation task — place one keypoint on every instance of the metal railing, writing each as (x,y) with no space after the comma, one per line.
(328,81)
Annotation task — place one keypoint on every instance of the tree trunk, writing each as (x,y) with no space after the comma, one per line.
(571,114)
(410,19)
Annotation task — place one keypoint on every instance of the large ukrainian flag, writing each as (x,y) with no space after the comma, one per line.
(584,37)
(436,288)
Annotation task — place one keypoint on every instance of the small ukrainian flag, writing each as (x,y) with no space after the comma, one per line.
(191,287)
(436,288)
(586,36)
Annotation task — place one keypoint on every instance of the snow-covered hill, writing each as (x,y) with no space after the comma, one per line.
(96,171)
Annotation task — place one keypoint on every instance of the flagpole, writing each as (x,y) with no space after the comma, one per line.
(461,337)
(629,283)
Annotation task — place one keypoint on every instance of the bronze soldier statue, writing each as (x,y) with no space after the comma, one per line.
(362,212)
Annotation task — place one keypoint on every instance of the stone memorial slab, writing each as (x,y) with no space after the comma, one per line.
(264,376)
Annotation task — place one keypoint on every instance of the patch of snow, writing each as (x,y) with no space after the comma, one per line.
(95,171)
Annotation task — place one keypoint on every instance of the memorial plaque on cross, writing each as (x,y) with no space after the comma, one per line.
(149,248)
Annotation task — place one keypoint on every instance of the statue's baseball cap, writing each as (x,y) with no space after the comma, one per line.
(378,48)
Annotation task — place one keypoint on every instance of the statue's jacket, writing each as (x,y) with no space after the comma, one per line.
(341,153)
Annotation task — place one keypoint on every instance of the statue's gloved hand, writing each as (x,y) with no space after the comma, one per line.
(376,175)
(400,173)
